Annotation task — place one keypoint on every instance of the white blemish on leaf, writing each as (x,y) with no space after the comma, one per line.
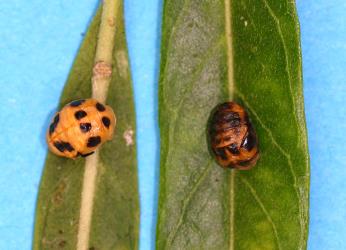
(128,136)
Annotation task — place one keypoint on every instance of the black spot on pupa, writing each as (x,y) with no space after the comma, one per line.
(94,141)
(68,146)
(224,120)
(245,163)
(233,148)
(85,127)
(106,121)
(56,118)
(80,114)
(217,140)
(59,146)
(246,118)
(77,103)
(232,119)
(224,106)
(250,140)
(62,146)
(230,116)
(100,107)
(221,152)
(54,124)
(85,155)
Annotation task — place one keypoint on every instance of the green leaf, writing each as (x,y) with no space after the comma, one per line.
(115,217)
(201,205)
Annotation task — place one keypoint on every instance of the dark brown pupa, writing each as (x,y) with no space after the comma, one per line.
(232,137)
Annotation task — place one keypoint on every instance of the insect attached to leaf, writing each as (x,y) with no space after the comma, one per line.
(233,139)
(80,127)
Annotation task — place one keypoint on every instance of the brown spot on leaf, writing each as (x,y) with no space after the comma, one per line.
(62,243)
(111,22)
(58,195)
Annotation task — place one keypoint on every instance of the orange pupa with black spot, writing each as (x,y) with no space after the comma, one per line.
(80,128)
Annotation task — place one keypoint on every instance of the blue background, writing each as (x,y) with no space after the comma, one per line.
(38,42)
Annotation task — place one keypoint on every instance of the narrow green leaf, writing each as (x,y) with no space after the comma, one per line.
(114,223)
(247,51)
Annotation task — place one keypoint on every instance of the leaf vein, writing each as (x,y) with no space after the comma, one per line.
(287,155)
(184,98)
(278,27)
(289,161)
(171,236)
(199,68)
(265,211)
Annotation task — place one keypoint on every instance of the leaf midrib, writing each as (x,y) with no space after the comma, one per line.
(230,78)
(103,54)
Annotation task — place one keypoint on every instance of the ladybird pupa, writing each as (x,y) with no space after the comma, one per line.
(80,128)
(232,138)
